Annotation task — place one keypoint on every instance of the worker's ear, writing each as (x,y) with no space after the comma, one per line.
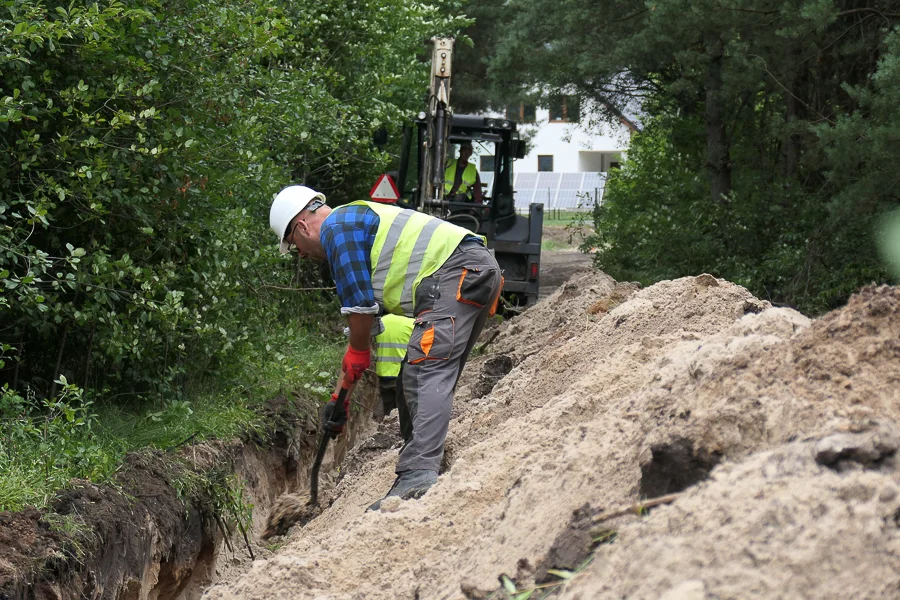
(304,228)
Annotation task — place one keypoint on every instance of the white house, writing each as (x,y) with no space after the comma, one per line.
(568,158)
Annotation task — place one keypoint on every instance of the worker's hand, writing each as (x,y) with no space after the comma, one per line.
(355,363)
(334,417)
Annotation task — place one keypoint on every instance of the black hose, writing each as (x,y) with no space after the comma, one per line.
(320,452)
(317,464)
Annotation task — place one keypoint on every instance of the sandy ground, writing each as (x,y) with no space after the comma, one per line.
(778,432)
(558,266)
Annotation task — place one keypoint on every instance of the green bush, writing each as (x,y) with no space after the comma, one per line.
(784,243)
(142,144)
(45,443)
(769,142)
(142,298)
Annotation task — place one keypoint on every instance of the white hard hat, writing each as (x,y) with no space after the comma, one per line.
(288,204)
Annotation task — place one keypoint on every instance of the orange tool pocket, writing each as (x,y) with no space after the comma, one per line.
(475,286)
(432,339)
(497,298)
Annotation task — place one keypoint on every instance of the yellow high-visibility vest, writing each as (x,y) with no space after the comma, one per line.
(469,176)
(409,246)
(390,344)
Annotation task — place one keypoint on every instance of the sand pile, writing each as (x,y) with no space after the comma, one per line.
(613,394)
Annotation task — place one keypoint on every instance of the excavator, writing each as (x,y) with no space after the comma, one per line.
(514,238)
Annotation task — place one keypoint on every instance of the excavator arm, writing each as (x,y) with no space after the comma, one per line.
(438,124)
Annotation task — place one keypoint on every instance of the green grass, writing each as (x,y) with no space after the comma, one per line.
(549,245)
(44,444)
(562,237)
(219,415)
(562,217)
(19,486)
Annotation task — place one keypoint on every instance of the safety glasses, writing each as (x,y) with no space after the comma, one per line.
(316,204)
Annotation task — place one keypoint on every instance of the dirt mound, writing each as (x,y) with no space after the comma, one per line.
(778,432)
(778,525)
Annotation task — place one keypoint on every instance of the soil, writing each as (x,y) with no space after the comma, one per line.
(570,548)
(495,368)
(26,540)
(558,266)
(290,510)
(774,437)
(151,535)
(779,432)
(124,536)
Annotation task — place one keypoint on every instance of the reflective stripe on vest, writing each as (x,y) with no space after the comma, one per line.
(467,180)
(409,246)
(390,345)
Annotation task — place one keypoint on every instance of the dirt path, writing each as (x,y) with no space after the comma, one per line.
(779,432)
(558,266)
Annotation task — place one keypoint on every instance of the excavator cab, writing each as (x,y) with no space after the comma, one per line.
(515,238)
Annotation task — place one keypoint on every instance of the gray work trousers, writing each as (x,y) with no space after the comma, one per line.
(452,306)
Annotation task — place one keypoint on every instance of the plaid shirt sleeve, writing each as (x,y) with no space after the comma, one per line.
(347,235)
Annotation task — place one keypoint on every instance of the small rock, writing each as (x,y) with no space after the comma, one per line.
(691,589)
(864,448)
(706,280)
(391,504)
(753,306)
(470,589)
(888,493)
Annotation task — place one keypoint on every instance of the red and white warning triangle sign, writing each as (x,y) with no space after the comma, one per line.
(384,190)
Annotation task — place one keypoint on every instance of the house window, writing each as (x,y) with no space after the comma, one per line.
(522,113)
(573,109)
(558,111)
(487,164)
(529,113)
(545,162)
(565,110)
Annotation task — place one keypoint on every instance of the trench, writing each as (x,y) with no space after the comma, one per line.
(146,538)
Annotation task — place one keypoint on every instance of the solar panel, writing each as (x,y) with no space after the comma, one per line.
(562,190)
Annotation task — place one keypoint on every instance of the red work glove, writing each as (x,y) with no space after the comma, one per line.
(334,417)
(355,363)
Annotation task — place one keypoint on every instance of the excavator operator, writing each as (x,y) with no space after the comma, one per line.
(461,180)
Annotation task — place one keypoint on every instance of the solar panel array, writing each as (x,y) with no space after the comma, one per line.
(570,191)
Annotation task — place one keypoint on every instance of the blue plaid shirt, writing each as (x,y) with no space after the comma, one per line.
(347,235)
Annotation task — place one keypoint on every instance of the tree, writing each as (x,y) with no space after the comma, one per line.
(746,94)
(472,90)
(142,144)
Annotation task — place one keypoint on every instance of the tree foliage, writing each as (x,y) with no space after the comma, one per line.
(141,145)
(770,128)
(473,91)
